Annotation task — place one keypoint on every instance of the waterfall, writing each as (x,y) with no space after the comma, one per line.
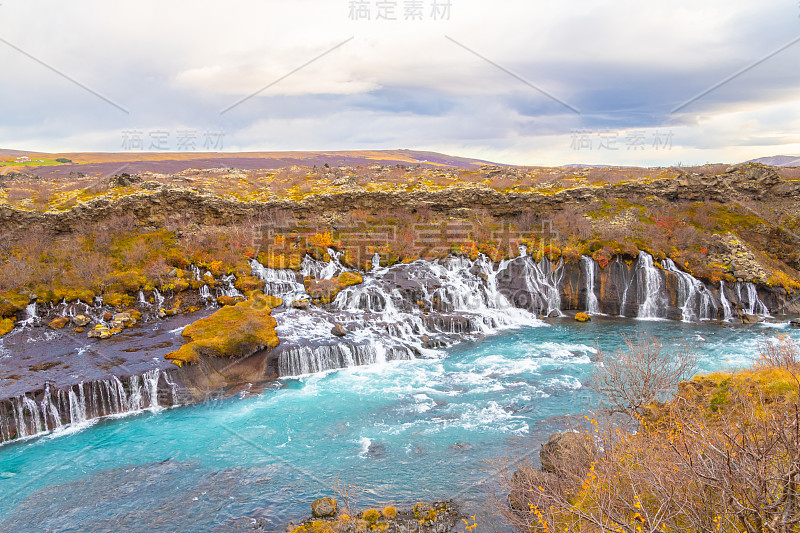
(376,262)
(726,306)
(140,298)
(195,272)
(754,305)
(281,283)
(697,302)
(31,316)
(25,416)
(651,286)
(301,360)
(205,293)
(158,299)
(543,283)
(230,289)
(592,307)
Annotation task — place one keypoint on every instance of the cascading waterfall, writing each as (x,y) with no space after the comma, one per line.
(697,302)
(281,283)
(727,312)
(31,315)
(754,304)
(205,293)
(651,287)
(543,282)
(24,416)
(399,313)
(158,299)
(140,298)
(592,306)
(230,289)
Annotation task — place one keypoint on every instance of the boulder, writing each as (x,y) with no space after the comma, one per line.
(122,320)
(58,323)
(81,320)
(751,319)
(324,507)
(99,332)
(338,330)
(795,323)
(300,304)
(582,317)
(107,317)
(574,449)
(226,300)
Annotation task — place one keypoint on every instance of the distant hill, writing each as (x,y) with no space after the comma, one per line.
(778,160)
(110,163)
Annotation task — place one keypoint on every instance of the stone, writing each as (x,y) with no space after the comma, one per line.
(81,320)
(226,300)
(795,323)
(99,332)
(324,507)
(58,323)
(461,447)
(300,304)
(162,313)
(582,317)
(338,330)
(751,319)
(573,449)
(122,320)
(107,317)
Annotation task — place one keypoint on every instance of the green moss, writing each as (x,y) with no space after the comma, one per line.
(11,303)
(235,331)
(6,325)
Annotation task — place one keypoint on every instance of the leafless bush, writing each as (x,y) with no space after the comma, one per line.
(783,353)
(640,374)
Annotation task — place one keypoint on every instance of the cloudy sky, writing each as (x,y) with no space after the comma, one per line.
(524,82)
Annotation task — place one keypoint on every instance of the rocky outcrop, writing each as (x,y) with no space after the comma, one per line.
(234,332)
(157,207)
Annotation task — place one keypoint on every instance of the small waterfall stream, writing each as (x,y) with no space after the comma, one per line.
(697,302)
(592,306)
(52,409)
(651,288)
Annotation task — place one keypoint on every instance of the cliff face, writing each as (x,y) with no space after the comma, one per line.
(158,206)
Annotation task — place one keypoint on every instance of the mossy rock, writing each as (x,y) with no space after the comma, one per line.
(248,283)
(58,323)
(11,303)
(234,331)
(6,325)
(582,317)
(324,291)
(227,300)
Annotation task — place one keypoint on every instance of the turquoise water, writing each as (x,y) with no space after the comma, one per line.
(401,431)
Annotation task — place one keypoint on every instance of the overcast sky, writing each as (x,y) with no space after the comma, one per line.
(523,82)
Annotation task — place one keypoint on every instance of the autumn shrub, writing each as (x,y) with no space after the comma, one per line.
(723,456)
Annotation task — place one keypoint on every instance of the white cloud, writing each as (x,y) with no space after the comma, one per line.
(401,83)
